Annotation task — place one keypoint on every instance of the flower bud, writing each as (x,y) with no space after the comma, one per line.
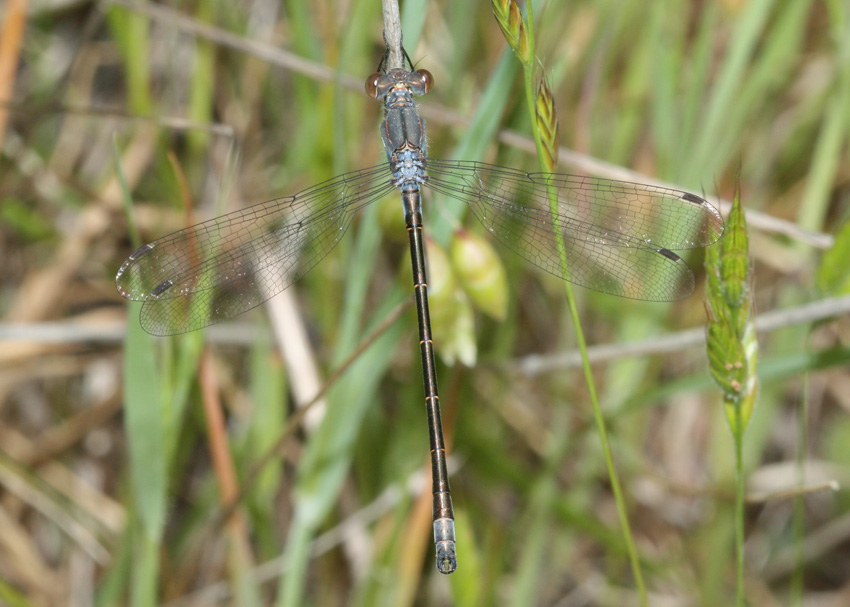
(452,320)
(481,273)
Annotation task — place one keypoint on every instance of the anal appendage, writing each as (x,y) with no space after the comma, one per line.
(444,540)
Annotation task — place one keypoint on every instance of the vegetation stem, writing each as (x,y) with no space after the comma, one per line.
(548,164)
(739,508)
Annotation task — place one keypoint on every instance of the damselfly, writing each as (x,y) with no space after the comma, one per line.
(618,238)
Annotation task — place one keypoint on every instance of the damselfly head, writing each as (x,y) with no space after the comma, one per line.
(379,85)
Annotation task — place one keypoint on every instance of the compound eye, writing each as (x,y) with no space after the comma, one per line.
(372,85)
(426,79)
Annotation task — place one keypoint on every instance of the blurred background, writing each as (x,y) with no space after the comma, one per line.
(120,453)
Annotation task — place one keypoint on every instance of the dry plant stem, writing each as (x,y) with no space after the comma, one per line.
(823,309)
(794,492)
(392,34)
(94,328)
(175,123)
(11,34)
(225,471)
(293,343)
(216,430)
(598,415)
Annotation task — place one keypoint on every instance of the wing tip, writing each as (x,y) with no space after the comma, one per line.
(714,225)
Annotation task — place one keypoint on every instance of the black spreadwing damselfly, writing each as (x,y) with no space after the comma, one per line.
(619,239)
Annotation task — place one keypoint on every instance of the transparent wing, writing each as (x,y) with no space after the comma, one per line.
(225,266)
(618,236)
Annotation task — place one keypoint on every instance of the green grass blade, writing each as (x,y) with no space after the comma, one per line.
(143,418)
(202,85)
(832,139)
(475,140)
(413,13)
(745,38)
(131,32)
(833,275)
(769,72)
